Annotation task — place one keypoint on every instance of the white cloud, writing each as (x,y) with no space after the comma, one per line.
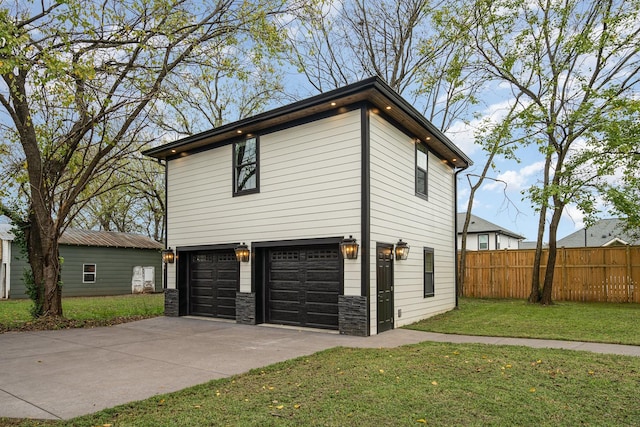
(515,180)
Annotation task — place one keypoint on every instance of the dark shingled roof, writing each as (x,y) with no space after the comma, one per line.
(108,239)
(479,225)
(605,232)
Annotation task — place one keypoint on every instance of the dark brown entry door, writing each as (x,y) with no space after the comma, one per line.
(384,285)
(213,283)
(303,285)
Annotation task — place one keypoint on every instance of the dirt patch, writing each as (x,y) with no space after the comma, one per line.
(51,323)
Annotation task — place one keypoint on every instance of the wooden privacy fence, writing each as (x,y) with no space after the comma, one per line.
(604,274)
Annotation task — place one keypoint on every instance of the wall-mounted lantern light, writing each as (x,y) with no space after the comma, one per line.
(168,256)
(242,253)
(402,250)
(349,248)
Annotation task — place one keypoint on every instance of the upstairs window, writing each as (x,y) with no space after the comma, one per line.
(245,167)
(88,273)
(421,170)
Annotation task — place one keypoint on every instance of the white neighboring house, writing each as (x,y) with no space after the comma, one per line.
(6,237)
(294,184)
(483,235)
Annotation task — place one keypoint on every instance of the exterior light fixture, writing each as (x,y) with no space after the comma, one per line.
(168,256)
(242,253)
(402,250)
(349,248)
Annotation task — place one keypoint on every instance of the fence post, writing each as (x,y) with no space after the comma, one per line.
(628,280)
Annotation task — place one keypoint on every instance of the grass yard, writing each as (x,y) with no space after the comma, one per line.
(424,384)
(573,321)
(85,311)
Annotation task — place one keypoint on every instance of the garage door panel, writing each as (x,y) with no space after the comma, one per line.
(288,296)
(322,297)
(303,286)
(323,286)
(324,276)
(321,308)
(202,292)
(202,275)
(286,317)
(284,276)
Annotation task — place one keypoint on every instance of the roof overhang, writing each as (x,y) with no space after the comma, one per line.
(373,91)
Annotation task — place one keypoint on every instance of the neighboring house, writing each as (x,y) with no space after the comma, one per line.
(94,263)
(605,232)
(294,184)
(6,239)
(483,235)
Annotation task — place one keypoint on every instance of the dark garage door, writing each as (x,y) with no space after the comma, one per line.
(303,286)
(213,282)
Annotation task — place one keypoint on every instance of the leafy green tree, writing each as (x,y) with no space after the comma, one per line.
(577,65)
(133,203)
(80,80)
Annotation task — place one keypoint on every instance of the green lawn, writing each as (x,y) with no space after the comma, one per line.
(594,322)
(14,314)
(430,383)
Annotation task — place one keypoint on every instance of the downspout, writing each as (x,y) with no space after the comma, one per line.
(455,227)
(165,267)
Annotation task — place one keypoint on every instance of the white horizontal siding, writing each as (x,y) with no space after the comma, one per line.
(309,188)
(397,213)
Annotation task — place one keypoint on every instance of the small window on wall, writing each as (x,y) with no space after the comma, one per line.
(245,167)
(421,170)
(88,273)
(483,242)
(429,286)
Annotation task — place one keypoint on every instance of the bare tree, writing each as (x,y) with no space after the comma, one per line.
(406,44)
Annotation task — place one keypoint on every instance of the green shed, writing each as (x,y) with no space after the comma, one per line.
(97,263)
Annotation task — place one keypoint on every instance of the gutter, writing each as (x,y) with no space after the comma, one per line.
(455,228)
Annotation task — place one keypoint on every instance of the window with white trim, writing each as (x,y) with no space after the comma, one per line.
(88,273)
(483,242)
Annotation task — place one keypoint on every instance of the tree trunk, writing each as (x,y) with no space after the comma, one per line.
(536,293)
(42,243)
(551,262)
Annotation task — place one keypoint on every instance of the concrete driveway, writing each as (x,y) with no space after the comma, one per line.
(67,373)
(64,374)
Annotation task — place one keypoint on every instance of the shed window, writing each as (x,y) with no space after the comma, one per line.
(483,242)
(429,287)
(421,170)
(88,273)
(245,167)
